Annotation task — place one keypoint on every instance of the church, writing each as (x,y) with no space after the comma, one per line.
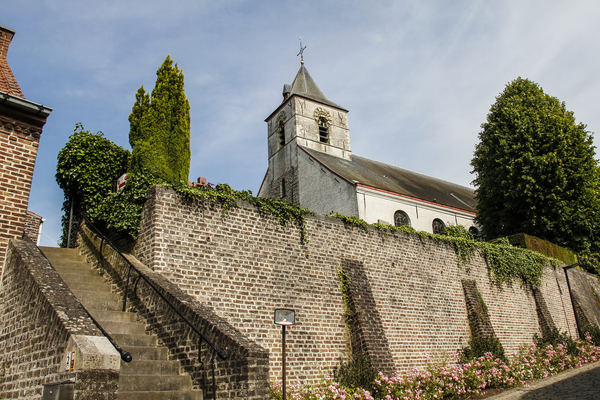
(311,164)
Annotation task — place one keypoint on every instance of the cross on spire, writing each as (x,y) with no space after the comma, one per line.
(301,53)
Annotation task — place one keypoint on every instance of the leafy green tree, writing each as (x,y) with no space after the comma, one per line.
(160,127)
(87,167)
(536,170)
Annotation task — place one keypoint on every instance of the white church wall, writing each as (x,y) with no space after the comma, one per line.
(322,191)
(376,206)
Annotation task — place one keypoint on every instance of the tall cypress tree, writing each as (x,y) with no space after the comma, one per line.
(160,127)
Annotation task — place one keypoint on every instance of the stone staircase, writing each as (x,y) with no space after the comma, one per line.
(149,376)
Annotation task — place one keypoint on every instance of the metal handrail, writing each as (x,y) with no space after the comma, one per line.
(221,355)
(125,356)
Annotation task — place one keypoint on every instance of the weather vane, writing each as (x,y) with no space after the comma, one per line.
(301,54)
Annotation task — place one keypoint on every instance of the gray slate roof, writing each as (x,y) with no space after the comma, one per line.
(398,180)
(304,85)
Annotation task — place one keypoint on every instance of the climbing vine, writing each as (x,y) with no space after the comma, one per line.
(505,262)
(283,211)
(345,289)
(351,221)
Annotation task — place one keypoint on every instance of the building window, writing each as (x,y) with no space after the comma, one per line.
(438,226)
(283,187)
(323,130)
(323,120)
(281,131)
(474,231)
(401,218)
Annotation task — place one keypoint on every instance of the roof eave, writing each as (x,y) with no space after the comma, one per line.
(304,97)
(24,105)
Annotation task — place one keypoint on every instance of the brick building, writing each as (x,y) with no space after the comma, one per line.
(311,164)
(21,123)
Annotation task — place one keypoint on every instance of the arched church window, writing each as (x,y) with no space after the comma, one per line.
(401,218)
(438,226)
(281,131)
(323,120)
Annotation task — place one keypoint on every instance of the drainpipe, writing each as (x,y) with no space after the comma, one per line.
(572,300)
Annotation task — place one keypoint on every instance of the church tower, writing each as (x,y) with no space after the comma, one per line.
(305,118)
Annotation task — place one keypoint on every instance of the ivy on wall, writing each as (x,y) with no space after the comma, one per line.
(505,262)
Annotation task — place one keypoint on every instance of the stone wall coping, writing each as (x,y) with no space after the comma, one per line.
(67,308)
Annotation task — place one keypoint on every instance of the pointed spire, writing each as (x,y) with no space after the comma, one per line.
(304,85)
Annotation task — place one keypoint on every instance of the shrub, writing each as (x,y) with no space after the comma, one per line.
(358,372)
(555,338)
(479,346)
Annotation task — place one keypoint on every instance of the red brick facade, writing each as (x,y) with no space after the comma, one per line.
(21,123)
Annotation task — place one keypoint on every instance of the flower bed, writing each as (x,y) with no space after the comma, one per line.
(455,380)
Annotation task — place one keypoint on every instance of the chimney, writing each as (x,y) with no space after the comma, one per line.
(8,83)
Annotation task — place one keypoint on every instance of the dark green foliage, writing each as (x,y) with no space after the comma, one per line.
(86,170)
(589,261)
(458,231)
(536,170)
(358,372)
(478,346)
(508,263)
(159,131)
(554,338)
(594,333)
(122,211)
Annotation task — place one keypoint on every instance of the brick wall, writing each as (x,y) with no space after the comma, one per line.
(21,125)
(242,375)
(18,151)
(40,320)
(409,292)
(33,226)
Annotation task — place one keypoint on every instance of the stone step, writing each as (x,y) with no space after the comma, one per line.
(61,263)
(173,395)
(150,376)
(88,286)
(147,353)
(85,295)
(131,328)
(61,254)
(150,367)
(115,316)
(83,273)
(131,383)
(125,340)
(92,303)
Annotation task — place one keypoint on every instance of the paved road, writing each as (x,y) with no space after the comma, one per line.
(575,384)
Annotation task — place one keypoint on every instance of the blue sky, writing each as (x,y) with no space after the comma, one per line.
(418,77)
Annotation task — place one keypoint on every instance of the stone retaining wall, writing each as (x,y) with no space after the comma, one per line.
(245,372)
(407,290)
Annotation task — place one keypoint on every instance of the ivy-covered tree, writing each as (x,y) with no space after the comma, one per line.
(87,168)
(536,170)
(160,128)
